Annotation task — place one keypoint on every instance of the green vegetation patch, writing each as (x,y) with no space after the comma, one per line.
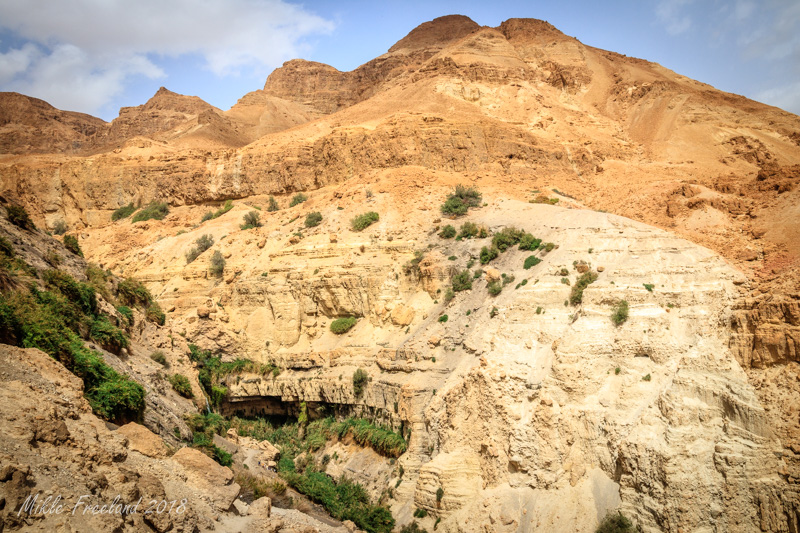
(586,279)
(461,200)
(123,212)
(313,219)
(181,385)
(153,211)
(71,244)
(343,325)
(364,220)
(619,313)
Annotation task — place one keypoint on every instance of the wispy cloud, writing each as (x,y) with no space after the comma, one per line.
(78,54)
(672,14)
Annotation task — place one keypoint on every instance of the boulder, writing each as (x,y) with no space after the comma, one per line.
(144,441)
(402,315)
(492,274)
(212,481)
(203,311)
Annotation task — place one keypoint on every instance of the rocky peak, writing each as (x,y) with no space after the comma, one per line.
(436,33)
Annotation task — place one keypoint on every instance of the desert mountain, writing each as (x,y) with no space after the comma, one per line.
(517,394)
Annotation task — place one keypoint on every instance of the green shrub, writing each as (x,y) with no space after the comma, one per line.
(487,254)
(360,379)
(586,279)
(364,220)
(529,242)
(468,230)
(649,287)
(439,494)
(181,385)
(495,288)
(420,513)
(203,243)
(155,314)
(447,232)
(616,523)
(107,335)
(619,313)
(462,281)
(18,216)
(127,314)
(273,205)
(153,211)
(343,325)
(123,212)
(133,292)
(646,377)
(531,261)
(159,357)
(449,294)
(443,318)
(77,293)
(217,264)
(60,228)
(460,200)
(313,219)
(297,199)
(210,215)
(71,244)
(252,219)
(413,527)
(452,258)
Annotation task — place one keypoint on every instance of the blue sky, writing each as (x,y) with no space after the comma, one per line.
(96,56)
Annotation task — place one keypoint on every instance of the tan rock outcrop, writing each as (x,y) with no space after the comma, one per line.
(143,440)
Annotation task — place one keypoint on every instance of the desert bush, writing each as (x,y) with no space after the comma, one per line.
(495,288)
(360,379)
(529,242)
(18,216)
(217,264)
(443,318)
(531,261)
(252,219)
(616,523)
(364,220)
(413,527)
(60,228)
(313,219)
(420,513)
(439,494)
(153,211)
(203,243)
(297,199)
(273,205)
(181,385)
(107,335)
(468,230)
(462,281)
(449,295)
(133,292)
(210,215)
(649,287)
(447,232)
(460,200)
(155,314)
(159,357)
(123,212)
(127,314)
(619,313)
(343,325)
(71,244)
(487,254)
(586,279)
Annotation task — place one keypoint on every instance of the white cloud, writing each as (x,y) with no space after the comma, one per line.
(78,54)
(787,97)
(670,13)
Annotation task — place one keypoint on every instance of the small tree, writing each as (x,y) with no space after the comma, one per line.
(448,232)
(273,205)
(360,379)
(462,281)
(217,264)
(251,219)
